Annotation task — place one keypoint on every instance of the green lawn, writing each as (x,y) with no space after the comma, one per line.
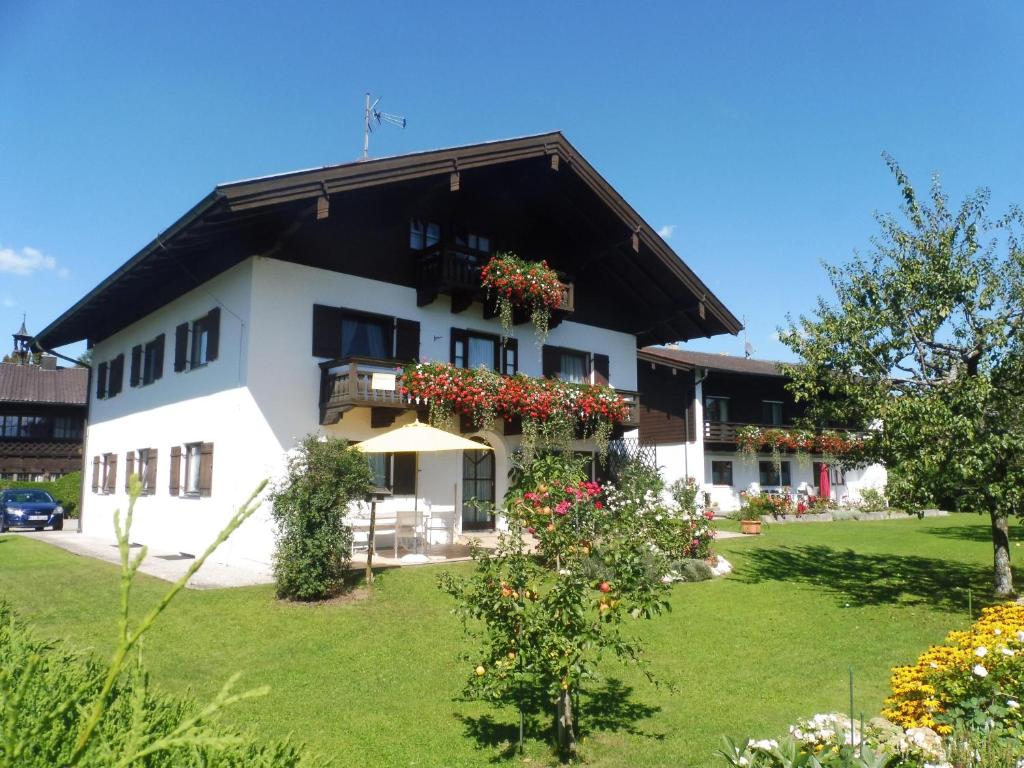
(376,682)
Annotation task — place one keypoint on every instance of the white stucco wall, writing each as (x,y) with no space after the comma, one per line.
(261,396)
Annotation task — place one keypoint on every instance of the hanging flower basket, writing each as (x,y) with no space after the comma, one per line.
(514,282)
(752,439)
(543,405)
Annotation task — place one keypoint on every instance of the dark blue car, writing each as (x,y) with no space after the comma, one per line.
(29,508)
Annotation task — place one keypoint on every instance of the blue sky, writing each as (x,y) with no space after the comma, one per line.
(750,131)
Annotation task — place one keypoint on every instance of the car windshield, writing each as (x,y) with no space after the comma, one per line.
(28,497)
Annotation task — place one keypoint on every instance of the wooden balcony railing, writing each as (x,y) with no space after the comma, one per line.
(455,270)
(725,431)
(354,382)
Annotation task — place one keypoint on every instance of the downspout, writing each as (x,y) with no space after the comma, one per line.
(85,425)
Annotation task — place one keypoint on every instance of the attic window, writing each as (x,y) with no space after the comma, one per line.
(423,234)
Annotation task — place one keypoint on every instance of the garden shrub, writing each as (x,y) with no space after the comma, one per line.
(691,570)
(67,490)
(313,544)
(55,684)
(872,500)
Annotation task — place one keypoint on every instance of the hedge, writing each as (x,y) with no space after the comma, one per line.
(67,490)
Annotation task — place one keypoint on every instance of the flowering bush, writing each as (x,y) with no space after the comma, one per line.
(516,282)
(483,395)
(754,506)
(975,679)
(828,740)
(752,439)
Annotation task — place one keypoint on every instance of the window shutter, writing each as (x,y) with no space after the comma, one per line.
(551,361)
(205,469)
(158,368)
(213,339)
(600,369)
(95,474)
(175,479)
(180,347)
(459,335)
(404,478)
(136,373)
(510,357)
(116,382)
(326,331)
(149,481)
(129,468)
(111,474)
(407,340)
(101,381)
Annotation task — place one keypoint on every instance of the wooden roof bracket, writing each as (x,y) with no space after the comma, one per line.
(455,178)
(323,203)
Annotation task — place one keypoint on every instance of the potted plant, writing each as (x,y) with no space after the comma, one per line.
(754,508)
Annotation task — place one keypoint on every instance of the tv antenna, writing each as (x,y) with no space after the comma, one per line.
(748,348)
(372,115)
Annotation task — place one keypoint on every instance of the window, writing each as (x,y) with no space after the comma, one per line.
(481,352)
(423,234)
(473,241)
(769,476)
(196,343)
(110,378)
(153,360)
(146,469)
(8,426)
(716,408)
(34,427)
(109,472)
(192,462)
(67,428)
(365,336)
(380,466)
(771,412)
(721,473)
(573,367)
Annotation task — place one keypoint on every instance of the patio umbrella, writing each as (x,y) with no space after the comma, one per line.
(416,437)
(824,487)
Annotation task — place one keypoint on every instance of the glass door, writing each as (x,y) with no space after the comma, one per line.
(478,490)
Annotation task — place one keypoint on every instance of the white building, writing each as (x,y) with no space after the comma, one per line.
(692,405)
(261,315)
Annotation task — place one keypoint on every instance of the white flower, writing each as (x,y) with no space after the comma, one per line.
(997,631)
(980,671)
(563,572)
(933,665)
(981,652)
(1012,704)
(1008,651)
(1020,635)
(763,744)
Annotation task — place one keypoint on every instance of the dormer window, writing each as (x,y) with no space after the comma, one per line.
(423,234)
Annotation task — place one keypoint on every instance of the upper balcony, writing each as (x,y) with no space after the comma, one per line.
(455,270)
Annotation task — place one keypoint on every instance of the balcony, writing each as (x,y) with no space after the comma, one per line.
(455,270)
(358,382)
(725,431)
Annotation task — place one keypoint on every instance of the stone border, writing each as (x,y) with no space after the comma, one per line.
(826,517)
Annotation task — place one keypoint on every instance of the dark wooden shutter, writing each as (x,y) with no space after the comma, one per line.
(116,384)
(149,481)
(136,371)
(205,469)
(510,357)
(213,337)
(600,369)
(111,485)
(95,474)
(407,340)
(129,468)
(551,361)
(101,381)
(404,478)
(175,470)
(459,335)
(180,347)
(326,331)
(158,366)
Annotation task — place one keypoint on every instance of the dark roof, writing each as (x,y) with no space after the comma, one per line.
(242,218)
(715,362)
(32,384)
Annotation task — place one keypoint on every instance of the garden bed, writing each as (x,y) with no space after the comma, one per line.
(842,514)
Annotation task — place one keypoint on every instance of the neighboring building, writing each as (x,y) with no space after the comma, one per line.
(263,314)
(693,403)
(42,416)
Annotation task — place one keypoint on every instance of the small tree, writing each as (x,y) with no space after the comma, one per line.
(313,547)
(924,341)
(546,616)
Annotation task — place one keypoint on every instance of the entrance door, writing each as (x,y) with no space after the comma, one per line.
(478,490)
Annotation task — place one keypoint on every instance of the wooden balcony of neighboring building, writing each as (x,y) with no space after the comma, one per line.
(455,270)
(360,382)
(725,431)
